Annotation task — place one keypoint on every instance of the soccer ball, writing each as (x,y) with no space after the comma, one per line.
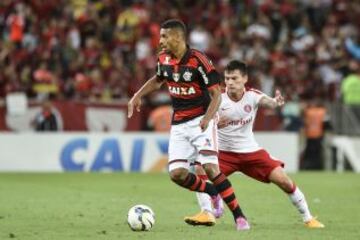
(141,218)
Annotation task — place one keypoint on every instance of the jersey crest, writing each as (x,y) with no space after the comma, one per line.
(187,76)
(247,108)
(176,76)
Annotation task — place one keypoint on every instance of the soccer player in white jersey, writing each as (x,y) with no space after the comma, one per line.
(238,149)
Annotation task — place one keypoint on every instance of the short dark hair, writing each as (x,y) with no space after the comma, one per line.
(237,65)
(174,24)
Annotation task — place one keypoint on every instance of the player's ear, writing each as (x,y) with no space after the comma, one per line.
(177,35)
(246,78)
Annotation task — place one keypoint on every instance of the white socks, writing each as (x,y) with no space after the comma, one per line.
(204,201)
(298,200)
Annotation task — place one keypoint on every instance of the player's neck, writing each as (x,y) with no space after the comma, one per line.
(180,51)
(236,96)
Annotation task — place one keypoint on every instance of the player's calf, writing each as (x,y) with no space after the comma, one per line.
(192,182)
(282,180)
(224,188)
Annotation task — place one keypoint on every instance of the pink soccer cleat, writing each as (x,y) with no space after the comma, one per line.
(242,224)
(218,210)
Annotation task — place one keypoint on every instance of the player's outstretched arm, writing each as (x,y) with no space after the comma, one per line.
(135,102)
(274,102)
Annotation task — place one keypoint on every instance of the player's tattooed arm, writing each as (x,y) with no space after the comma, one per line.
(274,102)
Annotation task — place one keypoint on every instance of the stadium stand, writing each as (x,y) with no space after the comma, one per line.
(102,51)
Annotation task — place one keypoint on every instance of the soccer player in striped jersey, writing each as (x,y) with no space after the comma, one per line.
(193,84)
(238,149)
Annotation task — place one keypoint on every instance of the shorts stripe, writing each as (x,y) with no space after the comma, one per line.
(177,160)
(196,163)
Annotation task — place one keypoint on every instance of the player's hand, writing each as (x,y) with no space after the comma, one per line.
(135,102)
(279,98)
(223,122)
(204,123)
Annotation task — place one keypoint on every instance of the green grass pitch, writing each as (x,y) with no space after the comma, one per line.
(94,206)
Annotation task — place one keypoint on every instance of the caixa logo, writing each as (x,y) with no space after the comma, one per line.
(108,156)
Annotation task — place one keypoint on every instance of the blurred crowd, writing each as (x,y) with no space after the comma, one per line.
(104,50)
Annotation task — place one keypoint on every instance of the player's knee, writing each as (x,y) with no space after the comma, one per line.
(178,175)
(199,170)
(212,170)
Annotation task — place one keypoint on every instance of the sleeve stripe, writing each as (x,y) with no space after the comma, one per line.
(255,90)
(204,61)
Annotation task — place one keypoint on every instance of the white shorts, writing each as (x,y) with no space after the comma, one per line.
(187,140)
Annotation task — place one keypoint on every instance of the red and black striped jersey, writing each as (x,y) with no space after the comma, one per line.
(188,81)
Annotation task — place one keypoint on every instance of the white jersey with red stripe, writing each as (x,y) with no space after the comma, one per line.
(237,135)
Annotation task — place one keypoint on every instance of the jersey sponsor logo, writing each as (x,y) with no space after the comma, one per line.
(187,76)
(247,108)
(240,121)
(166,74)
(176,76)
(225,108)
(184,91)
(203,74)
